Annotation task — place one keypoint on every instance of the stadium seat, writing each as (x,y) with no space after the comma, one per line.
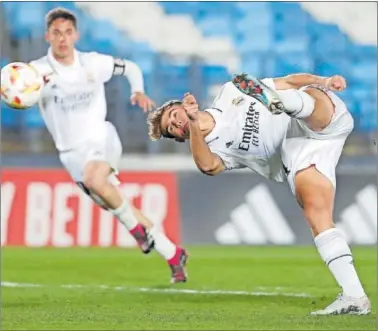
(288,13)
(27,20)
(9,117)
(178,7)
(9,7)
(269,39)
(254,65)
(285,44)
(362,52)
(223,8)
(213,74)
(32,118)
(332,66)
(368,116)
(365,71)
(256,41)
(281,65)
(214,26)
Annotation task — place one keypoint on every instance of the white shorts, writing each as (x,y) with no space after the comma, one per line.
(109,150)
(304,147)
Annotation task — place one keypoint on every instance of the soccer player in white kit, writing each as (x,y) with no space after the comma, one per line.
(286,129)
(73,107)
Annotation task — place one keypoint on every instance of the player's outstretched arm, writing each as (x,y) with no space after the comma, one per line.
(107,66)
(296,81)
(134,74)
(206,161)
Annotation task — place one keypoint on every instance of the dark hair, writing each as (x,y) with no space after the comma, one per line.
(60,12)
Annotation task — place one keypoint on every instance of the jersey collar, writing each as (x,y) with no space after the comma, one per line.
(58,65)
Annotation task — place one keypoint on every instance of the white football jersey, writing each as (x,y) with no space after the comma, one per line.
(246,134)
(73,103)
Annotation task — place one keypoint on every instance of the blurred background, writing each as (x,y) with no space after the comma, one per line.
(197,46)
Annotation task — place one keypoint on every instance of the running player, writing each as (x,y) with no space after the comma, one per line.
(286,129)
(73,106)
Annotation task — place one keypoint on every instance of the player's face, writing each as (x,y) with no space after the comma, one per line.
(62,36)
(175,122)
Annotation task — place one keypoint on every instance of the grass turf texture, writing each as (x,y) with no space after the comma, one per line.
(292,269)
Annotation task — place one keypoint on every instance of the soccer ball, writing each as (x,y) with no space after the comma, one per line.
(21,85)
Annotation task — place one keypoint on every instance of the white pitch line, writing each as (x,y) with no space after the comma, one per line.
(166,290)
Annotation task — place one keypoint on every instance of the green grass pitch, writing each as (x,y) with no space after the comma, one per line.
(234,288)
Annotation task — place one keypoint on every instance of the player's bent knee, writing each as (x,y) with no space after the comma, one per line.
(94,181)
(96,175)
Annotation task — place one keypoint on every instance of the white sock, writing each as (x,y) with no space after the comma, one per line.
(335,252)
(298,104)
(125,215)
(163,245)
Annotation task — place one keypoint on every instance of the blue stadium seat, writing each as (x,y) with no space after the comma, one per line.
(254,65)
(223,8)
(281,65)
(285,44)
(176,80)
(142,54)
(27,20)
(9,117)
(332,66)
(215,74)
(255,41)
(178,7)
(101,32)
(289,13)
(361,92)
(317,30)
(214,26)
(365,71)
(362,52)
(9,7)
(368,117)
(32,118)
(248,25)
(3,62)
(254,8)
(330,45)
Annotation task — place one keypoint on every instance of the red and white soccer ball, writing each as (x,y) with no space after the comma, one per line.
(21,85)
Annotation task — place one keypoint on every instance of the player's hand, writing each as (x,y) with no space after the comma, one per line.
(190,105)
(143,101)
(335,83)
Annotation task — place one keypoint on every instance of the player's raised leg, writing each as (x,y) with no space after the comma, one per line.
(96,180)
(315,194)
(311,105)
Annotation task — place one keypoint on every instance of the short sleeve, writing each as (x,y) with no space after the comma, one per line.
(102,65)
(269,82)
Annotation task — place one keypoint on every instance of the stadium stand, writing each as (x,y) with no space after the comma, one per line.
(190,42)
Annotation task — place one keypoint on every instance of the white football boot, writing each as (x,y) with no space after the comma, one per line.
(345,305)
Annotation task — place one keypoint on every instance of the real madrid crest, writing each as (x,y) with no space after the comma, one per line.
(238,101)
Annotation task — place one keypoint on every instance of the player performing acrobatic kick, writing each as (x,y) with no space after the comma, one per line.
(73,106)
(286,129)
